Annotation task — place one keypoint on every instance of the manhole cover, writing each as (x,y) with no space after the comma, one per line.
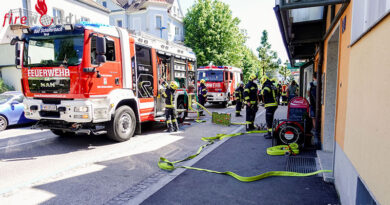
(301,164)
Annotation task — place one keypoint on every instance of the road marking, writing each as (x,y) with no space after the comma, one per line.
(148,192)
(15,145)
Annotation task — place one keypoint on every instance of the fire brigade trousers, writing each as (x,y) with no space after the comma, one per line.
(251,114)
(238,106)
(284,99)
(269,115)
(170,116)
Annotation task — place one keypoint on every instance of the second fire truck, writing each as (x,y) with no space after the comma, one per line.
(221,82)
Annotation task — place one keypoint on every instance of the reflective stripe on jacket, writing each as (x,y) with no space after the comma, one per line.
(269,93)
(168,95)
(250,92)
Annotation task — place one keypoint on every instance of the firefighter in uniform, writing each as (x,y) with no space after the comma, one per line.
(202,95)
(169,95)
(270,104)
(239,94)
(251,100)
(284,94)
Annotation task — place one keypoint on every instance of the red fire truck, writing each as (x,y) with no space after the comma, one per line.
(99,79)
(221,82)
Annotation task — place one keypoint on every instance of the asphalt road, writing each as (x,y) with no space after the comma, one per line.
(37,167)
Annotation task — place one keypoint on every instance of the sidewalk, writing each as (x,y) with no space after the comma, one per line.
(246,156)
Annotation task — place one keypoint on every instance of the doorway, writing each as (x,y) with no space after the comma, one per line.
(331,92)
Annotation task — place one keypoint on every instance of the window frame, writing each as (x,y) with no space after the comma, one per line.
(119,20)
(161,21)
(361,17)
(57,11)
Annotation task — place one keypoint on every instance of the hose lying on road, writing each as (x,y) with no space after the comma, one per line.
(165,164)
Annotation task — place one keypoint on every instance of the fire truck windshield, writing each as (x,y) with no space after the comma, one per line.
(56,50)
(211,75)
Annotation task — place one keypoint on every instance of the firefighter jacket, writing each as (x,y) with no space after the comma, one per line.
(284,90)
(269,93)
(250,93)
(202,91)
(239,94)
(168,94)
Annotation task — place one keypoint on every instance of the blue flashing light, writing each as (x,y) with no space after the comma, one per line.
(220,66)
(96,25)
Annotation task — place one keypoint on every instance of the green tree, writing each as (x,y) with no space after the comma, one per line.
(250,63)
(4,87)
(284,71)
(269,59)
(213,33)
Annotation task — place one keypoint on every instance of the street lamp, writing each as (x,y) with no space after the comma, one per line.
(161,29)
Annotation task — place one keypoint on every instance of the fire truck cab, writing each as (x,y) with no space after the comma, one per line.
(99,79)
(221,82)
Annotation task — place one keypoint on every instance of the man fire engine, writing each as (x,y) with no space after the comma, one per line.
(221,82)
(99,79)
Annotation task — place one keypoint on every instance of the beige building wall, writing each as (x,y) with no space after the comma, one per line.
(367,134)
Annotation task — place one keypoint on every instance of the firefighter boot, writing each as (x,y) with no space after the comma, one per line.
(170,128)
(238,114)
(268,135)
(175,126)
(201,113)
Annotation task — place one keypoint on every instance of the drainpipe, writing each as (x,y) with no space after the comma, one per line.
(319,95)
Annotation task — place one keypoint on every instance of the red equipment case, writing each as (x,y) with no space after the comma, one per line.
(294,128)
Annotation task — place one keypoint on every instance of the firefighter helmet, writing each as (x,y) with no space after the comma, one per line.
(252,76)
(174,85)
(203,81)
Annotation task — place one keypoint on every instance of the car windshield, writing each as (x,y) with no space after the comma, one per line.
(211,75)
(5,98)
(53,50)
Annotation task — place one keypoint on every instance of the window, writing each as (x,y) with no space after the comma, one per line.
(110,50)
(104,4)
(58,16)
(84,19)
(144,72)
(119,23)
(365,14)
(231,76)
(177,30)
(158,22)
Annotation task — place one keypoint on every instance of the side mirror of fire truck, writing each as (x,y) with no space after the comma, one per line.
(101,50)
(15,42)
(17,55)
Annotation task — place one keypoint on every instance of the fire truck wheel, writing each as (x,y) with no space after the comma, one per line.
(122,127)
(225,104)
(62,133)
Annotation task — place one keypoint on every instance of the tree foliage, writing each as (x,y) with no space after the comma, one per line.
(284,71)
(4,87)
(213,33)
(270,62)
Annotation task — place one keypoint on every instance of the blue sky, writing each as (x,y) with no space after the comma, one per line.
(255,16)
